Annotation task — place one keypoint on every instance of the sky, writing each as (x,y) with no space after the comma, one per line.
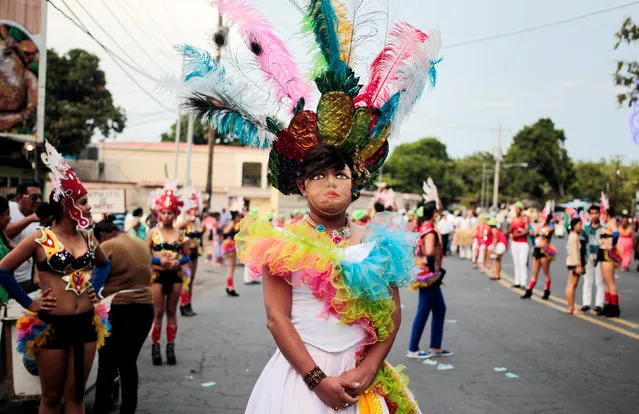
(562,72)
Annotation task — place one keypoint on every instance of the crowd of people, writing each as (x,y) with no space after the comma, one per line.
(599,242)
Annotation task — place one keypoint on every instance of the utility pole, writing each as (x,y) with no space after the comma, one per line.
(189,148)
(497,165)
(42,89)
(212,132)
(483,185)
(177,133)
(614,197)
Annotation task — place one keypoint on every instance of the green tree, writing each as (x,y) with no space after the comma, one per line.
(78,102)
(412,163)
(549,170)
(593,177)
(627,73)
(200,133)
(470,169)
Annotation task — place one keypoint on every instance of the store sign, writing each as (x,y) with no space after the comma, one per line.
(107,200)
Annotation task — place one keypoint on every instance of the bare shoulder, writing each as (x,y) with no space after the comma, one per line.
(357,233)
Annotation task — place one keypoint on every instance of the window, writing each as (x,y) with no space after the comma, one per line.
(252,174)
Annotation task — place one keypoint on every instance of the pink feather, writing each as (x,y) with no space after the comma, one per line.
(403,41)
(274,59)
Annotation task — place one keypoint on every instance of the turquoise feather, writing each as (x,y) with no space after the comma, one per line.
(387,114)
(324,23)
(198,63)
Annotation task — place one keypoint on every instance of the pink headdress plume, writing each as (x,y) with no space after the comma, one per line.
(403,41)
(604,206)
(192,198)
(547,211)
(413,75)
(387,198)
(269,51)
(430,193)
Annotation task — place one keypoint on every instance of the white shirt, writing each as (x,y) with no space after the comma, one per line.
(23,272)
(445,226)
(465,224)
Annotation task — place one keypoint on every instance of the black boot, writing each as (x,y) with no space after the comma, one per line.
(528,294)
(156,355)
(613,312)
(186,311)
(190,310)
(605,310)
(170,354)
(546,295)
(232,292)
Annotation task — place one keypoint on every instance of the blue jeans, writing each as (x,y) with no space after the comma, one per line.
(431,299)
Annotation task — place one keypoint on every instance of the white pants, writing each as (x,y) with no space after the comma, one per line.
(465,252)
(520,251)
(591,270)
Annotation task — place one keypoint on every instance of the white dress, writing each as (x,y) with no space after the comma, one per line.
(280,389)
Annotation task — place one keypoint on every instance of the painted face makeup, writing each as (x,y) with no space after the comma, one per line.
(329,191)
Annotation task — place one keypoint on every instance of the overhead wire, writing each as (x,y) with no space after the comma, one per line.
(83,28)
(141,26)
(106,32)
(116,59)
(133,39)
(156,24)
(538,27)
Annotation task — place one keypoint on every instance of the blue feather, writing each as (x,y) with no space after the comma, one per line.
(235,125)
(432,71)
(198,63)
(325,21)
(387,114)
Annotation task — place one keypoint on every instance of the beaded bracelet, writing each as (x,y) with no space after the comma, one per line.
(314,377)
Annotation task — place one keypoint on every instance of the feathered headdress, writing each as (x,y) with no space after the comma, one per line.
(192,198)
(357,120)
(604,206)
(167,198)
(238,205)
(548,209)
(430,193)
(66,186)
(387,198)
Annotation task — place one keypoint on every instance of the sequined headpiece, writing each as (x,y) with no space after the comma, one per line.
(192,199)
(167,198)
(66,186)
(357,119)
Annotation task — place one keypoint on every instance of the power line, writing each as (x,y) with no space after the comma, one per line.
(150,16)
(539,27)
(143,29)
(107,33)
(116,59)
(133,39)
(83,28)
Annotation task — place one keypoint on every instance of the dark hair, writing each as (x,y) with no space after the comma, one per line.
(325,157)
(52,209)
(216,215)
(428,210)
(4,205)
(138,212)
(593,207)
(24,186)
(611,211)
(105,226)
(574,222)
(379,207)
(11,196)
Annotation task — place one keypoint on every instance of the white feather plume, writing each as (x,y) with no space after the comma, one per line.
(413,77)
(430,192)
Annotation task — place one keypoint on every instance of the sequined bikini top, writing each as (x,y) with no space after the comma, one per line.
(191,232)
(76,271)
(168,249)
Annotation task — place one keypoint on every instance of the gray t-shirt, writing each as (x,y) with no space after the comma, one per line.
(23,272)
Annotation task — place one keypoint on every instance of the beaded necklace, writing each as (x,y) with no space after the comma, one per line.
(337,236)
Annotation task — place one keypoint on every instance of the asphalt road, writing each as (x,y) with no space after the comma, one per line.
(559,363)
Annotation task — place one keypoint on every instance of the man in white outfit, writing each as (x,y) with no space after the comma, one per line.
(519,248)
(591,234)
(465,229)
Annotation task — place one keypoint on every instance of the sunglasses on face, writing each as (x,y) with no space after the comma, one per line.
(35,197)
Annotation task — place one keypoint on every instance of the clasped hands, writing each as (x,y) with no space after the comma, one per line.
(344,390)
(170,264)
